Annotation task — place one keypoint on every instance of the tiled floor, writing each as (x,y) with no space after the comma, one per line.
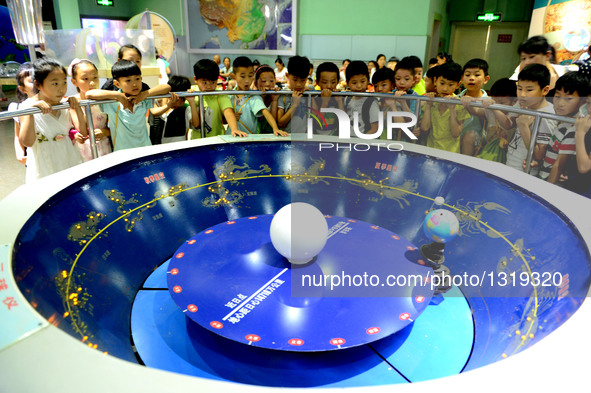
(12,172)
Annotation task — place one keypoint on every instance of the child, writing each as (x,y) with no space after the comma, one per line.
(580,181)
(264,80)
(327,79)
(384,83)
(474,76)
(571,90)
(85,77)
(536,50)
(249,108)
(46,134)
(419,84)
(127,117)
(131,53)
(25,89)
(431,78)
(178,114)
(405,80)
(503,92)
(532,88)
(443,122)
(206,74)
(289,107)
(367,108)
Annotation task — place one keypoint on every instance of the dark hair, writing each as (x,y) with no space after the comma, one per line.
(241,61)
(504,87)
(434,72)
(84,61)
(446,56)
(179,83)
(279,60)
(393,58)
(383,74)
(374,63)
(535,73)
(226,58)
(256,63)
(414,61)
(127,47)
(433,60)
(43,67)
(206,69)
(125,68)
(263,68)
(356,67)
(405,64)
(343,63)
(327,67)
(380,55)
(572,82)
(298,66)
(534,45)
(451,71)
(24,70)
(476,63)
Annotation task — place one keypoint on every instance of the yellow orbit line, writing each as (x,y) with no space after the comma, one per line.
(313,177)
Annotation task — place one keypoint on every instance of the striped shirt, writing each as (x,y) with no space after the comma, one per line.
(562,141)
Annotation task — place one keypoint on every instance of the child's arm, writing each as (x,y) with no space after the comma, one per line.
(230,117)
(283,118)
(272,123)
(504,121)
(77,116)
(160,110)
(110,95)
(582,125)
(195,119)
(455,125)
(154,91)
(18,148)
(524,123)
(466,100)
(426,119)
(27,135)
(557,168)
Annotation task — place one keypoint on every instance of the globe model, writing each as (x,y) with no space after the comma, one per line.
(441,225)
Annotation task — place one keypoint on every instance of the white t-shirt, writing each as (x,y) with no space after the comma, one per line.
(281,75)
(355,105)
(517,151)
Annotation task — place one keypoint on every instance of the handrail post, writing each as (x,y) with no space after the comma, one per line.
(201,116)
(91,136)
(532,143)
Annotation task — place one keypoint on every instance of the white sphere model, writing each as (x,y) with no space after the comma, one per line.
(298,232)
(439,201)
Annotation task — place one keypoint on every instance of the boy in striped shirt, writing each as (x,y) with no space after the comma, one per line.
(571,90)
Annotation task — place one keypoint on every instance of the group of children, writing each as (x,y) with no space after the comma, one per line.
(55,140)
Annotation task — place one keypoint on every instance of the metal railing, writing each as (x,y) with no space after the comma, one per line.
(538,116)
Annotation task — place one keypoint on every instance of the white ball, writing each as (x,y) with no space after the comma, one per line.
(439,201)
(298,232)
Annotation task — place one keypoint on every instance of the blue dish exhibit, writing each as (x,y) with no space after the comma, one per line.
(161,260)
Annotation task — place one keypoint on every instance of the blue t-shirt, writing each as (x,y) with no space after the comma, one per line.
(128,130)
(250,109)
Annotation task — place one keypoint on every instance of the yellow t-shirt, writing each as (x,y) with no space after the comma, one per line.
(420,88)
(440,134)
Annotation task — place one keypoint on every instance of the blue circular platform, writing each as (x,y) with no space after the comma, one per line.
(366,284)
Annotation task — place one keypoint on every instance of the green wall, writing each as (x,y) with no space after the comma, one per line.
(355,17)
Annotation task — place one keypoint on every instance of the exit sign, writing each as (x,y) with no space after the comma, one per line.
(107,3)
(488,17)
